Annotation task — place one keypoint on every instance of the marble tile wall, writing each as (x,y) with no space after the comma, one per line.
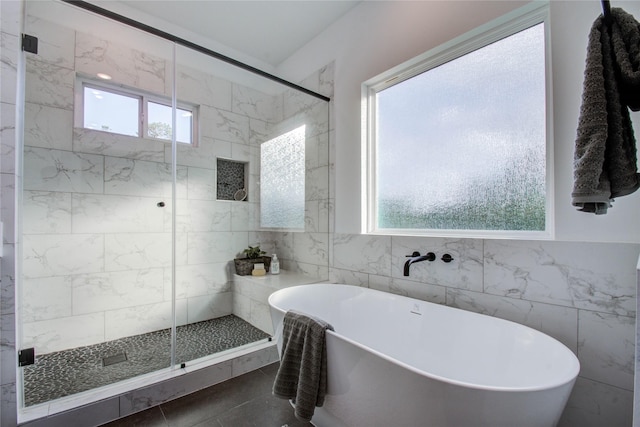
(251,295)
(583,294)
(95,242)
(10,30)
(308,253)
(580,293)
(97,248)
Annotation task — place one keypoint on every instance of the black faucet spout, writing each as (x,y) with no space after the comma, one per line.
(416,257)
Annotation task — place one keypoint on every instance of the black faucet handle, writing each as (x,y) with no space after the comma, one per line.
(429,256)
(447,258)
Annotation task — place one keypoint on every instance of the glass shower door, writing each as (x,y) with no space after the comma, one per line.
(96,298)
(215,207)
(254,173)
(139,189)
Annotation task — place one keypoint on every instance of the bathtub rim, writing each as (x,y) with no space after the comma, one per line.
(564,381)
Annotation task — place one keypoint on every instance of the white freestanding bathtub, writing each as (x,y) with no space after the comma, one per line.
(398,361)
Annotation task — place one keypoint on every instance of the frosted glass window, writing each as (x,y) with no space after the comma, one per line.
(282,173)
(111,112)
(462,145)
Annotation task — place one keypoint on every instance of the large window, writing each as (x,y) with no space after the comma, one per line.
(129,112)
(457,139)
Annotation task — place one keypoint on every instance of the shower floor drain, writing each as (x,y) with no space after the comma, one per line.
(112,360)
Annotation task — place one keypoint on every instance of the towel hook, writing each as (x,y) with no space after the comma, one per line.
(606,9)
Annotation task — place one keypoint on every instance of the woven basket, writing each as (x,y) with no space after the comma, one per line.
(244,266)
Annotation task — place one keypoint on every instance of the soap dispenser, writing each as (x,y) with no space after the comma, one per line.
(275,264)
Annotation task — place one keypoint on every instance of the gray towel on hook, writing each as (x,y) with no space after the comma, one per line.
(605,148)
(302,375)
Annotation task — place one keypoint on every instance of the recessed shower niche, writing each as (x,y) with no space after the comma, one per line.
(232,180)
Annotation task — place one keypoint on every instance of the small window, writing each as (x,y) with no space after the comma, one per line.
(133,113)
(159,123)
(457,139)
(111,111)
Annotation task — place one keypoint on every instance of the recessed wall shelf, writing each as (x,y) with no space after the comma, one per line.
(232,180)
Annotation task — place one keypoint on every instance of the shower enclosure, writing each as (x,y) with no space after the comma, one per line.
(147,167)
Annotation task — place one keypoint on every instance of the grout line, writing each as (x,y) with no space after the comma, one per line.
(164,417)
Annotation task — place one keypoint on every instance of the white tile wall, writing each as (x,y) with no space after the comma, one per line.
(202,88)
(110,144)
(99,292)
(46,212)
(225,125)
(128,251)
(203,155)
(556,321)
(595,404)
(142,178)
(129,321)
(251,295)
(606,348)
(7,131)
(10,28)
(46,298)
(55,42)
(49,84)
(97,248)
(65,332)
(254,104)
(57,170)
(205,307)
(465,272)
(48,127)
(48,255)
(362,253)
(582,294)
(201,182)
(10,43)
(126,66)
(564,273)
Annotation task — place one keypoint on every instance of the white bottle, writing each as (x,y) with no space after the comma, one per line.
(275,264)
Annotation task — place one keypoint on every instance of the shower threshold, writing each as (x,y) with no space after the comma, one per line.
(64,373)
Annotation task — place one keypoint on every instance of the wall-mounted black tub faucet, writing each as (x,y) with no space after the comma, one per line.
(416,257)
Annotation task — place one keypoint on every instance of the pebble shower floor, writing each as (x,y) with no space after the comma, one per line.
(63,373)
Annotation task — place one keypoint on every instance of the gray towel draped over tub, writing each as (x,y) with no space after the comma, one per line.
(605,148)
(302,375)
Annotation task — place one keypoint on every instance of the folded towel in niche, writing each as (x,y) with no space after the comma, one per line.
(302,375)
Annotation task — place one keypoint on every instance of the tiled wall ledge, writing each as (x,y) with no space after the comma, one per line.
(251,294)
(176,384)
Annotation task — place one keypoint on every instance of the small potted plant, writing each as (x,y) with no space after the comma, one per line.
(253,255)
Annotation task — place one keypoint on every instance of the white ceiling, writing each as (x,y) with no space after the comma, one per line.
(267,30)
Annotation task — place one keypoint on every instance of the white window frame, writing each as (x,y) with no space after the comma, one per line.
(509,24)
(143,97)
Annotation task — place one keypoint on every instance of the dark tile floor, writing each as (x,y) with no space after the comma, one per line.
(244,401)
(62,373)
